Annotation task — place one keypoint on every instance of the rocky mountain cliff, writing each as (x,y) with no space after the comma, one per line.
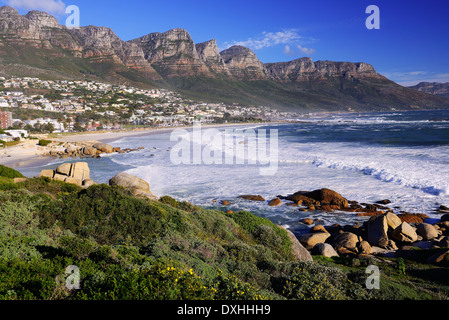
(436,88)
(244,64)
(173,53)
(209,53)
(101,44)
(40,30)
(35,44)
(304,69)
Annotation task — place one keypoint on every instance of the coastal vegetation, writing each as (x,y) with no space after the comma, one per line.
(130,247)
(44,142)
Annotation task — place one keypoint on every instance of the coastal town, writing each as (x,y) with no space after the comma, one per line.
(57,106)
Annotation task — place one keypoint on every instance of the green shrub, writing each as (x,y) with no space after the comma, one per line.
(129,247)
(19,232)
(310,281)
(44,143)
(76,247)
(264,232)
(10,173)
(109,215)
(49,186)
(184,205)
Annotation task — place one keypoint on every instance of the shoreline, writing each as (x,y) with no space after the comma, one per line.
(21,156)
(111,136)
(29,154)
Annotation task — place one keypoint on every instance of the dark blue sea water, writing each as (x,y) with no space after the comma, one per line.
(400,156)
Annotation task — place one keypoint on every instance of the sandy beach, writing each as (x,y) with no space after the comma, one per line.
(22,154)
(30,153)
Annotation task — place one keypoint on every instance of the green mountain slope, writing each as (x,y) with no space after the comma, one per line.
(36,45)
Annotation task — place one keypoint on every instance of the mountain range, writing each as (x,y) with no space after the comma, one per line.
(436,88)
(36,44)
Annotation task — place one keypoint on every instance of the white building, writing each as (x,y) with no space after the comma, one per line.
(4,104)
(6,138)
(17,133)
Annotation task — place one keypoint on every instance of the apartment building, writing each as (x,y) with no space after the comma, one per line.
(5,119)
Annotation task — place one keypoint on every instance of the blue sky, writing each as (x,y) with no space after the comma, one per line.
(411,45)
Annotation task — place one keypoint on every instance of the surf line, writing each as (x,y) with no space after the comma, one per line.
(231,147)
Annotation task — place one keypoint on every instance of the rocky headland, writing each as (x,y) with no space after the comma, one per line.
(326,262)
(83,149)
(383,234)
(78,173)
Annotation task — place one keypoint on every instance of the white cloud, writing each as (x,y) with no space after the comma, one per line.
(301,50)
(287,37)
(288,51)
(56,7)
(306,51)
(268,39)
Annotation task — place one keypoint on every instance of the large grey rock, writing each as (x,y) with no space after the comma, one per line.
(71,149)
(393,221)
(47,173)
(309,240)
(427,231)
(404,233)
(346,240)
(103,147)
(298,249)
(90,151)
(378,231)
(128,181)
(363,247)
(59,177)
(328,196)
(76,181)
(325,250)
(80,171)
(64,169)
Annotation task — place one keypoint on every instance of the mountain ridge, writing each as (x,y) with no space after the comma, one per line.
(435,88)
(36,43)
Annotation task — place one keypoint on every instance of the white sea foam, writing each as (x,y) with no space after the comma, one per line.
(413,178)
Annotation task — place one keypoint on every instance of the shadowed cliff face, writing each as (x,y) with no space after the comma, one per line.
(304,69)
(243,63)
(98,44)
(36,44)
(208,52)
(101,44)
(173,53)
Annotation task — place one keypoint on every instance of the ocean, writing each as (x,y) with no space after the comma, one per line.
(366,157)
